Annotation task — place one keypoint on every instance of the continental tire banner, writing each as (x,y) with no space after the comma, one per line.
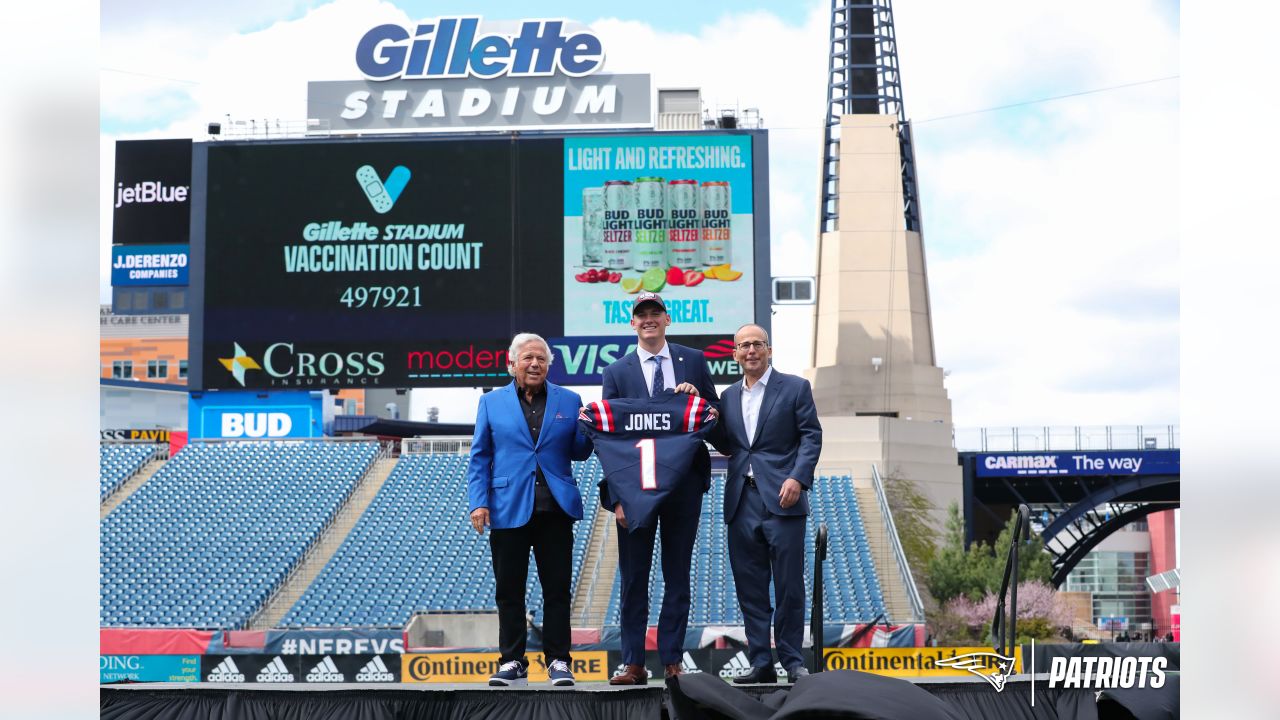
(591,666)
(922,662)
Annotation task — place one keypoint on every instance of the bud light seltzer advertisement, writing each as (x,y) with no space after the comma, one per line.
(671,214)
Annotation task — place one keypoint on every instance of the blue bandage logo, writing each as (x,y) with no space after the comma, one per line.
(382,194)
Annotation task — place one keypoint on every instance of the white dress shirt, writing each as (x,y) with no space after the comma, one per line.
(668,370)
(751,398)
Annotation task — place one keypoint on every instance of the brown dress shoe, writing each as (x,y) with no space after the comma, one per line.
(673,670)
(631,675)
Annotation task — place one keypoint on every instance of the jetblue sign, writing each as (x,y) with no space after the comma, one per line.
(1110,462)
(149,265)
(463,72)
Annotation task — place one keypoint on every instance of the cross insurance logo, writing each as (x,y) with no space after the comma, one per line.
(383,194)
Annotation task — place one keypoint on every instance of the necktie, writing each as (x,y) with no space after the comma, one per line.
(659,384)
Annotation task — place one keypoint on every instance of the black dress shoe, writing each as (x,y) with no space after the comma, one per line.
(757,675)
(796,673)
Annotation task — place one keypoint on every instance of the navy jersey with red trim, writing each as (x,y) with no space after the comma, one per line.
(646,446)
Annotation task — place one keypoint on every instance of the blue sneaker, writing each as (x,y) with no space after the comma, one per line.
(559,674)
(510,673)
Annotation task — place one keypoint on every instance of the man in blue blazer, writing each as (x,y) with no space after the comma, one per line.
(774,440)
(658,365)
(520,483)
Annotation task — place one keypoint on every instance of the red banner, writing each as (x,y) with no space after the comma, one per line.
(139,641)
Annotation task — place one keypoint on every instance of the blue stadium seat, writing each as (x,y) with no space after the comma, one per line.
(204,542)
(118,462)
(414,550)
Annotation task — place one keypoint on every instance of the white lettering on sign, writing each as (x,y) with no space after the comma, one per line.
(256,424)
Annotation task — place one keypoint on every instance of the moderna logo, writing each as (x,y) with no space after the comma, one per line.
(452,47)
(383,194)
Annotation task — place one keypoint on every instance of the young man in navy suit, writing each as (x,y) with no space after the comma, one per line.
(658,365)
(774,441)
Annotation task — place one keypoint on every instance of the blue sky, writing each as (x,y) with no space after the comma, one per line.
(1049,228)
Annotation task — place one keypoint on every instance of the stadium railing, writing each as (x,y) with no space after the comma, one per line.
(1069,437)
(899,555)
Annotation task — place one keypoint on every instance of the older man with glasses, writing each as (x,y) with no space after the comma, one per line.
(774,441)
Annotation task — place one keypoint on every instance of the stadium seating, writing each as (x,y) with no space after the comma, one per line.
(413,550)
(851,587)
(206,540)
(118,462)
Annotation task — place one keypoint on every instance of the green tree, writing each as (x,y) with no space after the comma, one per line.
(912,516)
(1033,562)
(953,571)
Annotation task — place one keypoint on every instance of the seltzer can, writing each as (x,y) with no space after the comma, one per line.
(593,227)
(650,249)
(717,247)
(619,218)
(684,220)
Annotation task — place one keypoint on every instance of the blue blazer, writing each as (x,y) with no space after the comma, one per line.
(787,443)
(624,378)
(504,459)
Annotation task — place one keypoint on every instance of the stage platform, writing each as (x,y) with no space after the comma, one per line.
(963,698)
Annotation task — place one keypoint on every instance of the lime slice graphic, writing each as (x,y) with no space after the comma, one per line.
(654,279)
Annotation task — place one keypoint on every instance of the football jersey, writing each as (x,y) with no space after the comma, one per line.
(646,446)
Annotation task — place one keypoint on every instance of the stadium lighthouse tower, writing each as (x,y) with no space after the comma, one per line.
(877,384)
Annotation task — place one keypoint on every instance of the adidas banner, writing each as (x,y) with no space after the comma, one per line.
(283,668)
(350,668)
(727,664)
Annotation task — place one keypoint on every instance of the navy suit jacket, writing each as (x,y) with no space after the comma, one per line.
(787,442)
(624,378)
(504,459)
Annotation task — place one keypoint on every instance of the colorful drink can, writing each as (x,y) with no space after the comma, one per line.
(650,249)
(592,227)
(684,220)
(717,247)
(619,216)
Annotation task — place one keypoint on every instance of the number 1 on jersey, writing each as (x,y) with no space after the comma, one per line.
(648,464)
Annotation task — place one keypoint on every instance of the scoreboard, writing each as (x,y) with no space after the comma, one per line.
(411,262)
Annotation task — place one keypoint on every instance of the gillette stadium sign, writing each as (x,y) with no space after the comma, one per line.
(464,73)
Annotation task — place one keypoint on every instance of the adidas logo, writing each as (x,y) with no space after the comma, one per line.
(688,665)
(325,671)
(740,665)
(375,671)
(737,665)
(226,672)
(276,672)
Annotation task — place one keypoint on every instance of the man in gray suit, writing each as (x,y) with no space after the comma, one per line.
(774,440)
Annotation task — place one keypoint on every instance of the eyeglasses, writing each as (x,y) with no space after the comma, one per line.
(752,345)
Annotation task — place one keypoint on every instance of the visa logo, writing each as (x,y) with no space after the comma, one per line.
(256,424)
(453,47)
(590,358)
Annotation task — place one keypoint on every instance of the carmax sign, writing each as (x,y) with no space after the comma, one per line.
(462,72)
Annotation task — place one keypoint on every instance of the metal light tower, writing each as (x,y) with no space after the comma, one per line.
(863,78)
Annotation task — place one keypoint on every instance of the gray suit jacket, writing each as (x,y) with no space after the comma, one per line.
(787,442)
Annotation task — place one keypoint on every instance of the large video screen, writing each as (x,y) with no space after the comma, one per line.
(412,262)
